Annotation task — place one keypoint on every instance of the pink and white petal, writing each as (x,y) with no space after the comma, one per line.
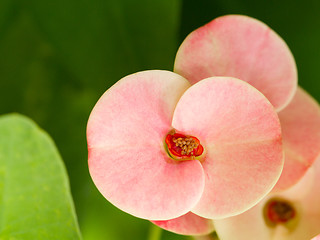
(248,225)
(309,224)
(316,237)
(305,196)
(300,122)
(251,225)
(242,47)
(301,190)
(188,224)
(312,200)
(241,135)
(144,183)
(293,170)
(127,158)
(140,104)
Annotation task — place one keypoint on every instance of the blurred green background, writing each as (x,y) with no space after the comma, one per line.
(57,57)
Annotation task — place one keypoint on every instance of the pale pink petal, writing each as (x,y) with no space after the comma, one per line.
(188,224)
(316,238)
(246,226)
(127,158)
(241,47)
(308,227)
(311,202)
(304,196)
(308,207)
(301,190)
(300,123)
(240,133)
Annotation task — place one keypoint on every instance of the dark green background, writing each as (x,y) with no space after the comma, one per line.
(58,56)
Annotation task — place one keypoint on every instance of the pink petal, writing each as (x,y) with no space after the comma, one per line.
(248,225)
(300,122)
(240,132)
(127,158)
(241,47)
(316,238)
(307,205)
(188,224)
(305,196)
(312,201)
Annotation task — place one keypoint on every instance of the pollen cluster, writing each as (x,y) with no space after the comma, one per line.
(187,145)
(278,211)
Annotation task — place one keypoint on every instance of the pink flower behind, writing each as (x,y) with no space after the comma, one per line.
(300,125)
(242,47)
(316,238)
(246,48)
(296,214)
(134,168)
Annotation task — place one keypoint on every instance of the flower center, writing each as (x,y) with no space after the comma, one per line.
(279,212)
(183,147)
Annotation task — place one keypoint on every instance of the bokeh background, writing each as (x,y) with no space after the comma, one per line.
(57,57)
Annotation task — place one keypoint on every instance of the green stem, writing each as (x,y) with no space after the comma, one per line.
(154,232)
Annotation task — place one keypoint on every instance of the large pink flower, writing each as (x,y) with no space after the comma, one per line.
(247,49)
(300,122)
(291,215)
(159,148)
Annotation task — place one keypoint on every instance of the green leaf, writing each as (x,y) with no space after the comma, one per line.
(35,199)
(58,57)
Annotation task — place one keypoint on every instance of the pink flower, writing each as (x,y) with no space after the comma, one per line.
(290,215)
(247,49)
(243,47)
(160,148)
(300,122)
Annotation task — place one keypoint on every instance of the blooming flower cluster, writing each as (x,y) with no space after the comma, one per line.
(225,140)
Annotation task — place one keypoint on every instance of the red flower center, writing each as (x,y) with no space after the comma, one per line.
(279,211)
(183,147)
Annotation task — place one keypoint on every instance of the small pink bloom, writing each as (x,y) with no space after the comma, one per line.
(291,215)
(160,148)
